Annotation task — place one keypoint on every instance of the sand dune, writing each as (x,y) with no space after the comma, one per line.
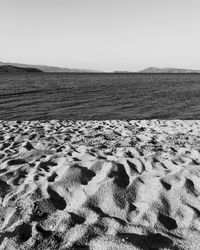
(100,185)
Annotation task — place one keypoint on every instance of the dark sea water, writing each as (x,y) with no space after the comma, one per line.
(99,96)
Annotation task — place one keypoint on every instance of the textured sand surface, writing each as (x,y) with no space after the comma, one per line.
(100,185)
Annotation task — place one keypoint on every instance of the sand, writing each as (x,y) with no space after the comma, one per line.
(100,185)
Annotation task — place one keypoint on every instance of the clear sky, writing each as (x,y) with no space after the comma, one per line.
(101,34)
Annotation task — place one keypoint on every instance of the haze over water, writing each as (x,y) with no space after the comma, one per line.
(99,96)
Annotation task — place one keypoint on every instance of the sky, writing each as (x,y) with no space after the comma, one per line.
(101,34)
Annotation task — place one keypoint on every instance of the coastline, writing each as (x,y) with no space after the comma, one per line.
(100,184)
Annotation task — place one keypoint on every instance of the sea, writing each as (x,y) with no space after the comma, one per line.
(99,96)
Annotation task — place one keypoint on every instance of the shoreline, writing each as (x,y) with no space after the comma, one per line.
(112,184)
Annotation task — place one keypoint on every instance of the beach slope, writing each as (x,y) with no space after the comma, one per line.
(100,185)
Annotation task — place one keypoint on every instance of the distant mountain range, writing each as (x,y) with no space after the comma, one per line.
(168,70)
(18,67)
(40,68)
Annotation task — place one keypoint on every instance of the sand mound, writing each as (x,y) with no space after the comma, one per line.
(100,185)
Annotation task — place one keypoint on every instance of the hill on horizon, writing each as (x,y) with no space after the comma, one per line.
(168,70)
(47,69)
(13,69)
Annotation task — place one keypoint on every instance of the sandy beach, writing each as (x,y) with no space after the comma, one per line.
(100,185)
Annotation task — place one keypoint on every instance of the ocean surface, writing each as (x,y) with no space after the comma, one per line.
(99,96)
